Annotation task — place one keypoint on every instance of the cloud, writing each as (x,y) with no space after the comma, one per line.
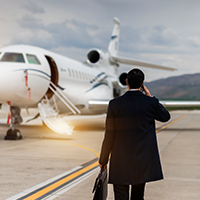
(58,35)
(28,22)
(155,40)
(194,41)
(150,31)
(162,36)
(73,33)
(33,7)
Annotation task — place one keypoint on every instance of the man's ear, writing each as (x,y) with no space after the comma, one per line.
(127,82)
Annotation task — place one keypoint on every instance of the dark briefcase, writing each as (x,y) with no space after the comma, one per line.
(101,186)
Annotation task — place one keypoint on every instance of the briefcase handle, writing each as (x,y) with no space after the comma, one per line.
(97,179)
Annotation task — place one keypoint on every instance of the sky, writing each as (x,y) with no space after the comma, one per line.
(156,31)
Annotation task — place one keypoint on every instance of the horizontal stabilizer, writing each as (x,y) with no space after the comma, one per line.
(139,63)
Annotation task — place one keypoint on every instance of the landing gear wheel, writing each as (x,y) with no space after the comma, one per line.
(16,119)
(13,135)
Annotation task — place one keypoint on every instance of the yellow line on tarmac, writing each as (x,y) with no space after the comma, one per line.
(174,121)
(97,154)
(59,183)
(69,178)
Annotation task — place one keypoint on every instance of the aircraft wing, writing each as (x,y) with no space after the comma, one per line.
(180,103)
(102,104)
(139,63)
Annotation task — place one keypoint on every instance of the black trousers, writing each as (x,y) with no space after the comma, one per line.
(121,192)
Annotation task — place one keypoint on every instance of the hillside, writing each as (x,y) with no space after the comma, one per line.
(185,87)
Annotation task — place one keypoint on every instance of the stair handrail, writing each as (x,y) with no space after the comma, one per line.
(64,99)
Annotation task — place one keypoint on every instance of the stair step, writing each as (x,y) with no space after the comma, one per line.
(50,113)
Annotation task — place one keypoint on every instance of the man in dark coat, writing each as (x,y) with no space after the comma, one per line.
(130,137)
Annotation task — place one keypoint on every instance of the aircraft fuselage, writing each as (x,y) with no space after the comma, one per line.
(27,71)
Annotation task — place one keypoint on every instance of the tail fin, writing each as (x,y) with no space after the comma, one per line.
(113,45)
(113,51)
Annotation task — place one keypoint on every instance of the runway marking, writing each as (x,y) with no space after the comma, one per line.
(60,184)
(71,179)
(174,121)
(75,183)
(43,184)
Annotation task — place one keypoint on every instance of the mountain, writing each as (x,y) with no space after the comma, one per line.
(184,87)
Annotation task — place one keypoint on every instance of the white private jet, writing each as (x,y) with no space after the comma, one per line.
(32,77)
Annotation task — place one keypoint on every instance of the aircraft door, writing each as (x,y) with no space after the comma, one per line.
(54,75)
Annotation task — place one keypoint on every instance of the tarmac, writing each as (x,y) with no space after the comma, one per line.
(46,165)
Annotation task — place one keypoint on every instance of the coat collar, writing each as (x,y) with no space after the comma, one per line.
(135,93)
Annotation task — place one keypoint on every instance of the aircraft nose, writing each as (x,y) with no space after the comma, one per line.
(22,85)
(10,83)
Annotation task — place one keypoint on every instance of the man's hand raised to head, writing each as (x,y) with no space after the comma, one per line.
(147,91)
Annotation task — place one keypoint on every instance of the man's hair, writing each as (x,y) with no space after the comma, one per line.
(135,78)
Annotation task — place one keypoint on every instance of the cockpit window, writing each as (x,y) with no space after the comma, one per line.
(32,59)
(13,57)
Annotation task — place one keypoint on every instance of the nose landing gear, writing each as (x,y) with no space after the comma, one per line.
(13,133)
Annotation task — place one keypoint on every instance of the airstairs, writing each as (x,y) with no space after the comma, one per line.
(49,111)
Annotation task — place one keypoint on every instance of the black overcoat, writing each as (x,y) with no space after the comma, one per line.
(130,137)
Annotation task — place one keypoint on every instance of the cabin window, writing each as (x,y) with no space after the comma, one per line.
(69,72)
(80,75)
(13,57)
(73,74)
(76,74)
(32,59)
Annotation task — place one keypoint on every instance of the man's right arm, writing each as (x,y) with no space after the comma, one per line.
(162,114)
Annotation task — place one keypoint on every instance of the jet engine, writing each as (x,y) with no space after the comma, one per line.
(122,80)
(95,56)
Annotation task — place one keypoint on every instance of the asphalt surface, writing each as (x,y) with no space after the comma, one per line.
(43,156)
